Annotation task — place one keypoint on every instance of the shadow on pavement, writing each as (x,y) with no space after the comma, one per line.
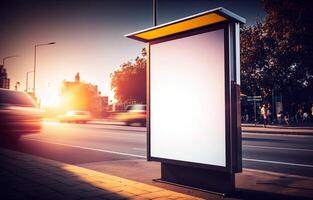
(260,195)
(27,177)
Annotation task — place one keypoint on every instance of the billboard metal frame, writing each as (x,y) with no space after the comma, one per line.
(228,92)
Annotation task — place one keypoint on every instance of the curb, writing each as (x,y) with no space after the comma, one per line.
(277,132)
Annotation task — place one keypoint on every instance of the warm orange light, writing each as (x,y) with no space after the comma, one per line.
(76,96)
(181,26)
(49,98)
(199,20)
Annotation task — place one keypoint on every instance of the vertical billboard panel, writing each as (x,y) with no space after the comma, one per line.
(187,99)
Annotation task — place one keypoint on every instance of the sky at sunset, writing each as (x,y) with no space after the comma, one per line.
(89,36)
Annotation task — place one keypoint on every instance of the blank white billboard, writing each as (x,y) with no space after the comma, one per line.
(187,99)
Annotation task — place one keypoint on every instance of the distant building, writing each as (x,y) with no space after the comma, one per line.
(100,106)
(77,95)
(4,80)
(77,77)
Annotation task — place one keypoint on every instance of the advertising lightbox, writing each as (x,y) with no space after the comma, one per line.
(193,99)
(187,99)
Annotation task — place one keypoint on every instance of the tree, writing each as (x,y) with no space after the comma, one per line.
(253,59)
(129,81)
(288,30)
(276,54)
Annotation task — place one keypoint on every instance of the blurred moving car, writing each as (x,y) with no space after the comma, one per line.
(19,114)
(77,116)
(135,113)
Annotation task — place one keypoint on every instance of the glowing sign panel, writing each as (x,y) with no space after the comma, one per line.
(187,99)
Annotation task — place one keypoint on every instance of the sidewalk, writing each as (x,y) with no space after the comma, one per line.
(277,129)
(24,176)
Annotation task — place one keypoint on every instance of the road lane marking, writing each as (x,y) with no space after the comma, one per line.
(277,162)
(139,149)
(140,156)
(87,148)
(277,148)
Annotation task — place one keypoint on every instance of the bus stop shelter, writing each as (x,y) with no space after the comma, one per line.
(193,99)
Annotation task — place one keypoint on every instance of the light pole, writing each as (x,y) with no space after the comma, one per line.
(35,49)
(26,89)
(17,84)
(8,57)
(154,11)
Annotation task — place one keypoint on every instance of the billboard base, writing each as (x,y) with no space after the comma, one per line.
(209,180)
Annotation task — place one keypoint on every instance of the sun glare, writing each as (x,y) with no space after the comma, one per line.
(49,98)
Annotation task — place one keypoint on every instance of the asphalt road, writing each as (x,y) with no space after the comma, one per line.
(90,143)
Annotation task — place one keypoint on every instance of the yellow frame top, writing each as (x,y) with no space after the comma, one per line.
(189,23)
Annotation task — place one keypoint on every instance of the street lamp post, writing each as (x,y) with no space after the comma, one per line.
(26,89)
(17,84)
(35,51)
(8,57)
(154,11)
